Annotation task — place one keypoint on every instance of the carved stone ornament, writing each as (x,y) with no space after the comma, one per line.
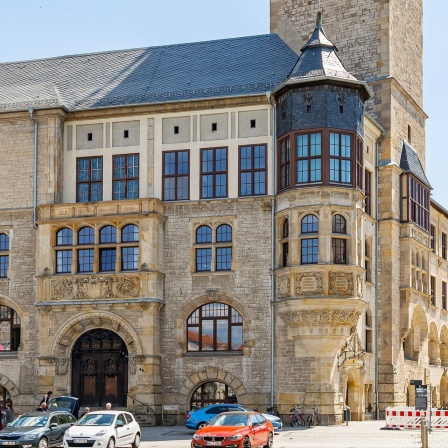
(321,317)
(212,293)
(308,98)
(94,288)
(341,284)
(61,365)
(360,286)
(133,362)
(308,284)
(284,286)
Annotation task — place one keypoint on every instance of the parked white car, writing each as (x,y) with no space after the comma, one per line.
(104,429)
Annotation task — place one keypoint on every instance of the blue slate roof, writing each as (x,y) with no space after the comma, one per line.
(410,163)
(319,62)
(221,68)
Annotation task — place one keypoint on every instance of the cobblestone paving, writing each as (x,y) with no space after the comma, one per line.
(353,435)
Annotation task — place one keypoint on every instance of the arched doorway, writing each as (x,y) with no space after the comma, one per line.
(354,395)
(211,393)
(100,369)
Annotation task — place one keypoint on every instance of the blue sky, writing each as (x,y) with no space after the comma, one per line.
(33,29)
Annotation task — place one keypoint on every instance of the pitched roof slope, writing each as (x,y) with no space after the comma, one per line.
(221,68)
(410,163)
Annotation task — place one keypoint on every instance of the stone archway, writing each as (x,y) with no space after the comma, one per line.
(444,390)
(355,394)
(210,374)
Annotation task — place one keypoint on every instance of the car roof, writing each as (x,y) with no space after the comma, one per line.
(239,413)
(109,412)
(38,413)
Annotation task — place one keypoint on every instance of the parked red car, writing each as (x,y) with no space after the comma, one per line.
(236,430)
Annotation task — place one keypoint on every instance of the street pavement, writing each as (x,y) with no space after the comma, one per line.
(369,434)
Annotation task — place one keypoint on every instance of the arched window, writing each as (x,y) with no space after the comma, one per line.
(213,393)
(309,246)
(338,224)
(4,255)
(215,327)
(310,224)
(108,234)
(224,234)
(129,233)
(64,237)
(10,329)
(339,245)
(203,235)
(86,235)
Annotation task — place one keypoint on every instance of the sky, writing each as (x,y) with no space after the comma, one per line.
(34,29)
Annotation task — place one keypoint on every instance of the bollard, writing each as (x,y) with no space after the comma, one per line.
(424,431)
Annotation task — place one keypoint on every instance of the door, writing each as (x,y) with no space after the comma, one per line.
(100,369)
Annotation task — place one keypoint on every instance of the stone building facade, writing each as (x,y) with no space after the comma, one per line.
(248,226)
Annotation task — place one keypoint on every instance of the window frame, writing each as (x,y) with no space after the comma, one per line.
(444,245)
(15,327)
(368,192)
(214,173)
(176,176)
(433,290)
(253,170)
(126,179)
(415,202)
(89,182)
(309,158)
(284,163)
(4,255)
(197,318)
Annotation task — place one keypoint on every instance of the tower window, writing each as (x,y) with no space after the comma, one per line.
(214,127)
(409,133)
(89,137)
(253,123)
(176,129)
(341,109)
(125,133)
(308,109)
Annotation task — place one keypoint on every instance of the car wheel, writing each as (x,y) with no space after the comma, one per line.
(201,425)
(270,441)
(43,443)
(136,442)
(246,443)
(111,443)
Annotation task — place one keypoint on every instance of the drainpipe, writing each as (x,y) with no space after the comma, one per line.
(273,133)
(31,112)
(377,175)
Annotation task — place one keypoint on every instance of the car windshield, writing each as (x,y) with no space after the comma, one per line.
(61,402)
(30,420)
(97,420)
(230,420)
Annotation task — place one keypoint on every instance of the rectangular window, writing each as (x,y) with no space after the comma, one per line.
(339,247)
(310,250)
(368,260)
(223,258)
(4,264)
(284,164)
(285,250)
(252,170)
(433,237)
(85,260)
(89,179)
(213,173)
(63,261)
(368,191)
(129,258)
(125,177)
(359,163)
(176,175)
(418,204)
(433,290)
(444,295)
(340,158)
(107,259)
(444,246)
(203,259)
(309,158)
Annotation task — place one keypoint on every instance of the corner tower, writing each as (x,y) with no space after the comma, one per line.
(319,221)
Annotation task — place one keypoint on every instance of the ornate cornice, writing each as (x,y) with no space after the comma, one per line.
(321,317)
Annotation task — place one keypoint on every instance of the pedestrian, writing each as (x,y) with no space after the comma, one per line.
(42,407)
(86,411)
(108,406)
(9,414)
(47,396)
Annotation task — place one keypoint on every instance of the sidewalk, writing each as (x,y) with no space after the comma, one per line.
(354,435)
